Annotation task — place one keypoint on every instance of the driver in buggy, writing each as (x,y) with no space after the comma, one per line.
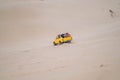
(65,35)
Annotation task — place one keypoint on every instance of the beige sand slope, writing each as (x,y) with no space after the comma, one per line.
(28,27)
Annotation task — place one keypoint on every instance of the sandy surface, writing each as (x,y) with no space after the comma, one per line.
(28,28)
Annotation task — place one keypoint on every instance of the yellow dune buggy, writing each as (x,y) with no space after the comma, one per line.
(62,38)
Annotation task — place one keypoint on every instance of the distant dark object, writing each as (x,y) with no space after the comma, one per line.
(111,13)
(101,65)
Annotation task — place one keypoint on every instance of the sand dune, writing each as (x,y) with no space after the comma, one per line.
(28,28)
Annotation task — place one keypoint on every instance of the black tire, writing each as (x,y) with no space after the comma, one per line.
(54,43)
(69,41)
(60,42)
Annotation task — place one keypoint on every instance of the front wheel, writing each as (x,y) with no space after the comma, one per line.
(54,44)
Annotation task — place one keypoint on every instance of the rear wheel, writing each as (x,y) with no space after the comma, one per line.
(69,42)
(60,42)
